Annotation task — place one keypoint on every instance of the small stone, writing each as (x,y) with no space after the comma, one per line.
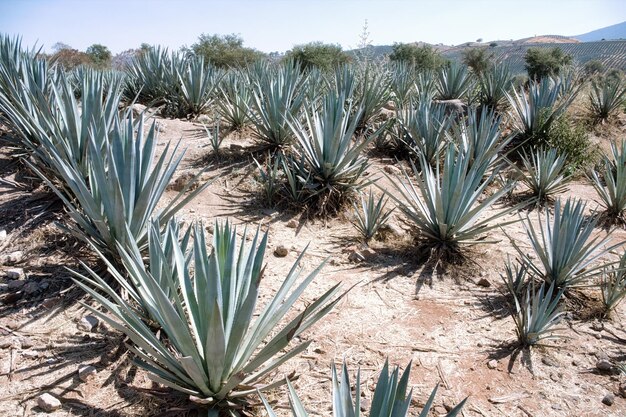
(86,372)
(549,361)
(30,354)
(50,302)
(483,282)
(597,326)
(88,323)
(4,287)
(26,343)
(31,287)
(575,363)
(3,234)
(492,364)
(160,126)
(440,410)
(390,169)
(16,285)
(292,224)
(604,365)
(368,253)
(281,251)
(12,258)
(334,262)
(601,355)
(556,407)
(48,403)
(599,335)
(210,228)
(622,390)
(608,399)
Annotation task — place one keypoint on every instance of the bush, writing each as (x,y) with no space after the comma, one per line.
(542,62)
(478,59)
(100,56)
(225,51)
(593,67)
(325,57)
(571,138)
(420,57)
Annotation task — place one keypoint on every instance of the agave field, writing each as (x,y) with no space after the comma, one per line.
(178,239)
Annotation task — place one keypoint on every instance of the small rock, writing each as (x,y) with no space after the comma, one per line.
(604,365)
(440,410)
(549,361)
(608,399)
(575,363)
(556,407)
(390,169)
(492,364)
(210,228)
(48,403)
(356,256)
(86,372)
(31,287)
(3,234)
(292,224)
(368,253)
(16,285)
(601,355)
(483,282)
(4,287)
(12,258)
(597,326)
(30,354)
(281,251)
(88,323)
(50,302)
(160,126)
(236,148)
(26,343)
(334,262)
(622,390)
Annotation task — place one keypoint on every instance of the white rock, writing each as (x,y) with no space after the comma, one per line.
(86,372)
(3,234)
(88,323)
(48,403)
(12,258)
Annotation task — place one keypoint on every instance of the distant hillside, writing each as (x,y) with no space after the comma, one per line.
(617,31)
(612,54)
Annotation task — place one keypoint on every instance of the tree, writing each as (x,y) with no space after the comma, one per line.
(543,62)
(478,59)
(225,50)
(68,57)
(326,57)
(100,55)
(421,57)
(593,67)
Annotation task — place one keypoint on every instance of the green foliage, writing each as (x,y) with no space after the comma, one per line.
(424,129)
(453,82)
(325,57)
(153,76)
(593,67)
(607,97)
(390,396)
(197,84)
(420,57)
(545,174)
(610,184)
(447,206)
(536,315)
(480,138)
(209,343)
(100,55)
(402,84)
(112,206)
(494,85)
(477,59)
(225,51)
(543,62)
(563,245)
(371,216)
(234,98)
(572,139)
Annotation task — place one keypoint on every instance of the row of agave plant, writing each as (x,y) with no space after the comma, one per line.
(190,314)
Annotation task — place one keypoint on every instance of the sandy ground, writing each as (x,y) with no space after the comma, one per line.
(448,326)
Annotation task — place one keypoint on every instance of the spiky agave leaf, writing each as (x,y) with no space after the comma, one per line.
(480,137)
(391,398)
(610,183)
(563,244)
(114,205)
(210,344)
(606,97)
(494,84)
(515,277)
(234,99)
(545,173)
(446,206)
(197,84)
(613,284)
(453,82)
(402,84)
(537,314)
(371,215)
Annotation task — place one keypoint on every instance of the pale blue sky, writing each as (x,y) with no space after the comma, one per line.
(277,25)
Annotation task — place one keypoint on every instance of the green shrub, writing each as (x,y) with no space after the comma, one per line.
(545,62)
(225,51)
(419,57)
(324,57)
(478,59)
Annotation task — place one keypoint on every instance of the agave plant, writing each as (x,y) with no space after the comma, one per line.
(537,314)
(480,137)
(371,94)
(515,277)
(215,139)
(613,285)
(610,183)
(424,128)
(153,76)
(546,173)
(334,164)
(563,244)
(197,83)
(402,84)
(446,204)
(606,97)
(494,84)
(277,98)
(371,215)
(533,115)
(453,82)
(390,396)
(234,100)
(209,345)
(113,206)
(296,185)
(269,178)
(426,86)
